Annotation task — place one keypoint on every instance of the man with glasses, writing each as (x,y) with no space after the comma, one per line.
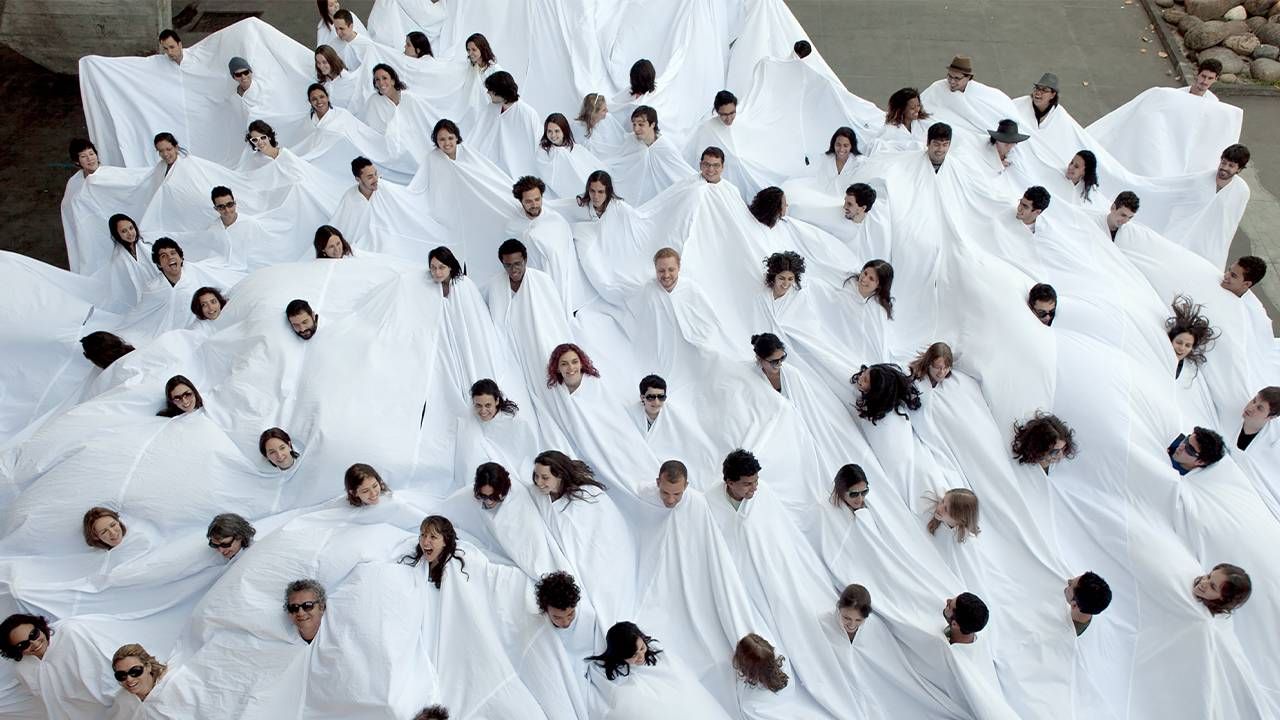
(242,74)
(230,533)
(964,102)
(1043,301)
(1201,448)
(653,397)
(304,601)
(241,233)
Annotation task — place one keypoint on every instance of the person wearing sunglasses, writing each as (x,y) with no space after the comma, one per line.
(230,533)
(23,635)
(136,670)
(181,397)
(242,74)
(304,601)
(1201,448)
(1043,440)
(770,354)
(491,485)
(850,488)
(653,397)
(1043,301)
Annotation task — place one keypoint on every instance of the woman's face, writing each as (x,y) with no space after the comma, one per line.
(439,271)
(485,406)
(168,152)
(322,65)
(319,100)
(24,633)
(382,81)
(598,114)
(431,542)
(409,49)
(851,620)
(210,306)
(943,512)
(279,453)
(597,193)
(127,231)
(1075,169)
(913,109)
(868,282)
(1183,344)
(369,491)
(473,53)
(546,483)
(183,397)
(570,367)
(638,657)
(863,379)
(555,134)
(1209,587)
(772,365)
(137,680)
(333,247)
(227,547)
(843,148)
(259,141)
(448,143)
(108,530)
(782,282)
(1056,452)
(856,496)
(334,7)
(939,370)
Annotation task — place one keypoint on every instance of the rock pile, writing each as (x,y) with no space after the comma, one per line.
(1243,35)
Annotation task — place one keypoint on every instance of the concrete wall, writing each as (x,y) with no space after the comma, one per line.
(57,33)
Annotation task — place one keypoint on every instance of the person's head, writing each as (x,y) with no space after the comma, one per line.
(1082,172)
(625,645)
(557,475)
(644,77)
(514,258)
(1088,593)
(330,244)
(1234,159)
(905,107)
(599,191)
(124,231)
(884,388)
(304,601)
(782,270)
(673,480)
(22,634)
(529,191)
(725,106)
(329,65)
(1189,331)
(859,198)
(850,487)
(966,614)
(938,142)
(1207,73)
(437,545)
(934,363)
(416,45)
(568,365)
(103,528)
(364,485)
(1201,447)
(644,124)
(479,53)
(171,45)
(103,348)
(277,447)
(229,533)
(386,81)
(769,206)
(1043,440)
(843,144)
(318,99)
(594,109)
(854,607)
(1224,589)
(1034,201)
(260,135)
(180,397)
(875,281)
(1043,301)
(756,662)
(958,510)
(1044,94)
(558,596)
(666,268)
(432,712)
(802,49)
(1265,405)
(167,147)
(241,72)
(302,319)
(491,485)
(1123,209)
(741,472)
(344,25)
(366,175)
(502,88)
(207,303)
(443,265)
(711,164)
(770,353)
(556,132)
(1243,274)
(446,136)
(959,73)
(84,155)
(487,400)
(136,670)
(168,257)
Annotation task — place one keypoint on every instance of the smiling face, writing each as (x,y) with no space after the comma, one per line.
(319,100)
(333,248)
(744,488)
(127,231)
(667,270)
(306,620)
(87,160)
(210,306)
(1075,169)
(1209,587)
(1233,280)
(531,202)
(322,65)
(225,205)
(643,129)
(244,79)
(369,491)
(344,31)
(856,496)
(957,81)
(473,53)
(782,282)
(561,617)
(843,148)
(939,370)
(554,134)
(227,547)
(260,142)
(868,282)
(108,530)
(570,367)
(937,150)
(485,407)
(431,542)
(279,453)
(37,641)
(183,397)
(851,620)
(711,168)
(489,497)
(641,650)
(448,143)
(137,679)
(439,271)
(545,482)
(168,152)
(382,82)
(514,264)
(912,112)
(1183,344)
(1227,169)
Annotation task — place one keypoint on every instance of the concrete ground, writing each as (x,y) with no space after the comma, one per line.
(876,46)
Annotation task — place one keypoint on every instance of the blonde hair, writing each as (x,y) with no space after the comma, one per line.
(590,104)
(153,666)
(963,510)
(666,252)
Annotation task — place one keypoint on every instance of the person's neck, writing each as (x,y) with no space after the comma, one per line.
(173,281)
(515,284)
(1195,90)
(649,141)
(1079,617)
(840,163)
(652,416)
(572,388)
(87,173)
(506,106)
(270,151)
(242,90)
(1222,183)
(958,638)
(230,222)
(368,194)
(859,215)
(1253,426)
(735,502)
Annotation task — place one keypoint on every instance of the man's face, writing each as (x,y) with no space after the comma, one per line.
(243,78)
(670,491)
(1069,592)
(170,264)
(172,49)
(957,81)
(303,324)
(712,168)
(1119,217)
(561,617)
(643,129)
(531,201)
(937,151)
(343,31)
(1227,169)
(1045,310)
(1026,212)
(489,497)
(306,611)
(1204,80)
(226,207)
(87,160)
(368,180)
(852,210)
(1187,454)
(1257,409)
(727,113)
(744,488)
(514,264)
(227,547)
(667,270)
(1233,280)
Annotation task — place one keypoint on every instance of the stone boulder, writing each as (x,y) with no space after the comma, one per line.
(1228,78)
(1189,22)
(1264,70)
(1231,62)
(1269,34)
(1270,52)
(1274,12)
(1210,9)
(1255,22)
(1258,7)
(1242,44)
(1174,15)
(1235,13)
(1213,32)
(1164,3)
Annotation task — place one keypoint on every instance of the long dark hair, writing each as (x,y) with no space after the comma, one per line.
(1034,439)
(766,206)
(644,77)
(195,300)
(7,626)
(445,256)
(115,234)
(846,477)
(489,387)
(884,290)
(450,551)
(396,82)
(897,114)
(620,644)
(1187,319)
(560,121)
(574,475)
(1090,178)
(604,178)
(846,133)
(420,43)
(487,57)
(323,233)
(891,390)
(170,410)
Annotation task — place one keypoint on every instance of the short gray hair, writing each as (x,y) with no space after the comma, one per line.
(306,584)
(231,525)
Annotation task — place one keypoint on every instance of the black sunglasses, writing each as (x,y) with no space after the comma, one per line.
(857,493)
(222,545)
(23,645)
(1189,450)
(656,396)
(777,363)
(1042,314)
(241,73)
(309,605)
(135,671)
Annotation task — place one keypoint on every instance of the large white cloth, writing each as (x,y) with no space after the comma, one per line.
(1166,131)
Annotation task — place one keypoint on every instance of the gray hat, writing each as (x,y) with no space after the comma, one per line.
(237,64)
(1007,131)
(1048,80)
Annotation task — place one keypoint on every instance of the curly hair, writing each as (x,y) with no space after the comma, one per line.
(134,650)
(758,664)
(897,114)
(1187,319)
(450,551)
(6,628)
(553,369)
(780,262)
(766,206)
(1034,439)
(739,464)
(557,590)
(891,389)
